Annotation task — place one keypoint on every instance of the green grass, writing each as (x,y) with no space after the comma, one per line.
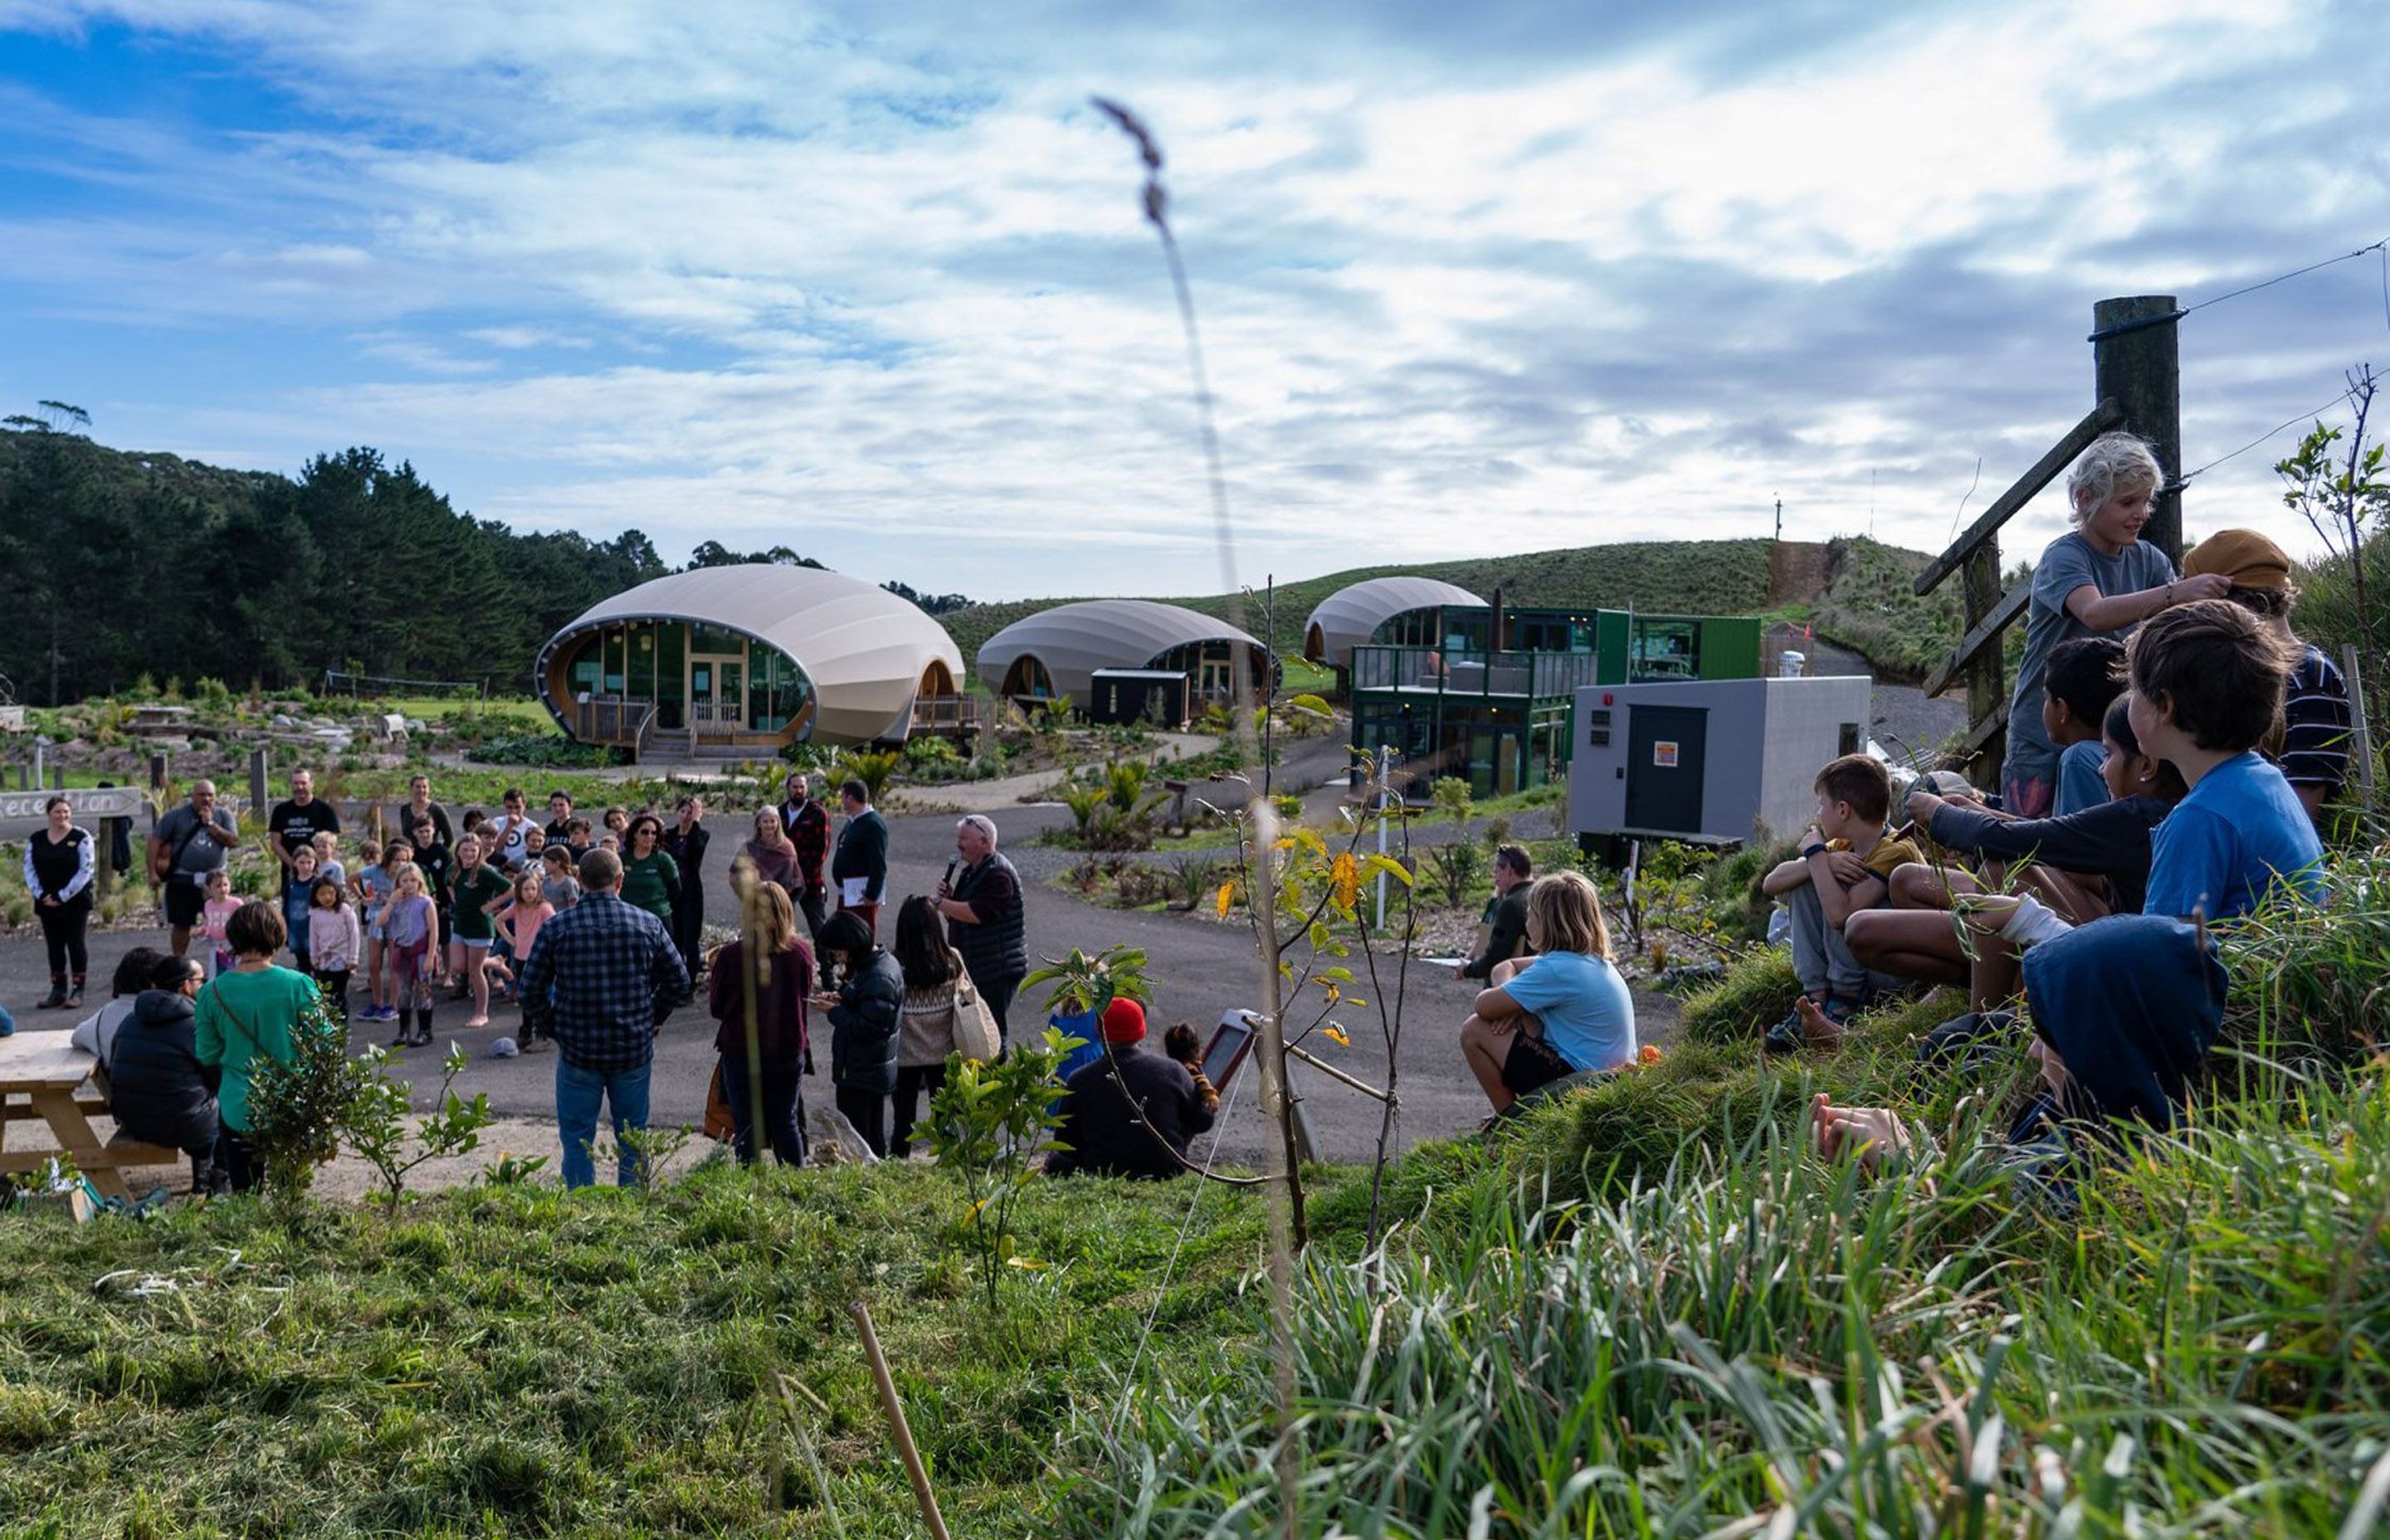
(1870,606)
(529,714)
(519,1360)
(1301,677)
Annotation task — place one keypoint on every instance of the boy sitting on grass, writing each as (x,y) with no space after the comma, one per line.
(2124,1011)
(1847,861)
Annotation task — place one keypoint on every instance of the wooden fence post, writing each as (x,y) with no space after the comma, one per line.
(260,793)
(2136,362)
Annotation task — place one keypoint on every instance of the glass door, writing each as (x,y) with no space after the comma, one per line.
(717,694)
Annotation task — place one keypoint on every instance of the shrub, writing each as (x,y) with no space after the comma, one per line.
(1456,868)
(873,768)
(296,1109)
(1452,799)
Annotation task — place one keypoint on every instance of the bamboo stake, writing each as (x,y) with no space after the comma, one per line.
(897,1425)
(2361,730)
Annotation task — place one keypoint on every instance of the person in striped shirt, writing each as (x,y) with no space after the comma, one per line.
(2312,746)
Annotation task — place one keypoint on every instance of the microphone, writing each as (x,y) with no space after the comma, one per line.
(947,887)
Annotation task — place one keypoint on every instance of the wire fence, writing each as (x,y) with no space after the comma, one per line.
(368,686)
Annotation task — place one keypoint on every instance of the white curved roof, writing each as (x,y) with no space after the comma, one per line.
(1348,617)
(864,649)
(1073,640)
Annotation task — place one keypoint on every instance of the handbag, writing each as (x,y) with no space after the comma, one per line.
(975,1035)
(719,1126)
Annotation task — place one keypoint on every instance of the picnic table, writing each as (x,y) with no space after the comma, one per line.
(47,1069)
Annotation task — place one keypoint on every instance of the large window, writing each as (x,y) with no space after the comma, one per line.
(1666,650)
(776,689)
(1411,628)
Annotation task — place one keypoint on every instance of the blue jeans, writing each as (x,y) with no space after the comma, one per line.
(578,1092)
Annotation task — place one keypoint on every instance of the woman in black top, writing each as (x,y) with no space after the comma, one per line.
(686,843)
(59,866)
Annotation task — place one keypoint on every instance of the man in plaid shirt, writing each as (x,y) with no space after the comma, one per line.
(600,979)
(807,823)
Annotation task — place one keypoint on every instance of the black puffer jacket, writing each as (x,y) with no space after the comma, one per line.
(863,1026)
(158,1090)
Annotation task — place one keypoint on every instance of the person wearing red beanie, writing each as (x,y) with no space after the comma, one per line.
(1102,1131)
(1123,1023)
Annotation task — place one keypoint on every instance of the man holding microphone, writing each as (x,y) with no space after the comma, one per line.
(980,899)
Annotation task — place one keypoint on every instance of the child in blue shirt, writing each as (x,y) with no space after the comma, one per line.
(2084,677)
(1555,1014)
(2207,682)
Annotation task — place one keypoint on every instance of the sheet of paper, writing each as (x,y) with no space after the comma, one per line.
(850,890)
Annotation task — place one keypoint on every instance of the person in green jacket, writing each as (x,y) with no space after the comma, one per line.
(253,1012)
(650,876)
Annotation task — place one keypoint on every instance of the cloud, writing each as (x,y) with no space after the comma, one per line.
(1513,276)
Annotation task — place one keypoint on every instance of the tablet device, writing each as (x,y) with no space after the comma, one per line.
(1231,1040)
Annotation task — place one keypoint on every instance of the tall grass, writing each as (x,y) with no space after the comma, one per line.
(1759,1341)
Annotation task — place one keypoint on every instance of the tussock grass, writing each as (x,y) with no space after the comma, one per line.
(1754,1337)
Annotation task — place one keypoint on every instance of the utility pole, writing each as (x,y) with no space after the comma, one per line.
(2136,362)
(1780,520)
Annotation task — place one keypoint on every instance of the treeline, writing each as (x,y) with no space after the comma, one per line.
(129,564)
(121,564)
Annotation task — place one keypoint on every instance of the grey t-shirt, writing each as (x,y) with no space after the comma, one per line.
(2069,563)
(200,853)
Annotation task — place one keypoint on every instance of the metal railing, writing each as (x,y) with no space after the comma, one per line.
(643,737)
(1510,675)
(951,713)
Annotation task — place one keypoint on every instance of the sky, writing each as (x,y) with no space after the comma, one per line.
(874,282)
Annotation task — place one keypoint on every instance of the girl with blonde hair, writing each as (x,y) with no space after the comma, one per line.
(1555,1014)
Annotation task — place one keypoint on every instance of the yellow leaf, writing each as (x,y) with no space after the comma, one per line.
(1336,1034)
(1224,897)
(1345,873)
(1031,1262)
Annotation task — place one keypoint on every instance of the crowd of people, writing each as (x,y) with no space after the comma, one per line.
(2174,749)
(595,929)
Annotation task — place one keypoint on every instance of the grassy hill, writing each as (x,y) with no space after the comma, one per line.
(1701,577)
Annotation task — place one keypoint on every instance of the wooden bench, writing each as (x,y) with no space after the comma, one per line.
(47,1070)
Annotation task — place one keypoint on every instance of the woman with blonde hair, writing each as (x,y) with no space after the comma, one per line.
(783,966)
(1564,1010)
(770,854)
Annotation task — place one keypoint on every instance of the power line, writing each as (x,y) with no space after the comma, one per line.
(2184,480)
(2382,245)
(2145,322)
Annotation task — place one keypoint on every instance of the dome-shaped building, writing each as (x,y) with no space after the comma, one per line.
(1386,611)
(748,657)
(1060,652)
